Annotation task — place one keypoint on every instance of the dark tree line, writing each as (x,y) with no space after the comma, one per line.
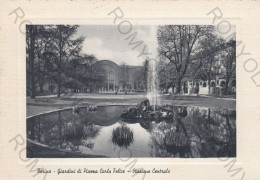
(53,55)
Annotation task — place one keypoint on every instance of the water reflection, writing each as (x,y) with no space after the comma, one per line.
(203,133)
(192,133)
(62,130)
(122,136)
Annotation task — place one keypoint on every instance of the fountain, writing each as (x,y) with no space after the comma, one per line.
(152,78)
(144,111)
(150,108)
(152,83)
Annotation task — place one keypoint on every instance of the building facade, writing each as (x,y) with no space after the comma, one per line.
(117,78)
(218,81)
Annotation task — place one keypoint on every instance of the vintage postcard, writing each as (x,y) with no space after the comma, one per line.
(134,90)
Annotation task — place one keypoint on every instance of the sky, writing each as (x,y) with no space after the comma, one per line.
(105,42)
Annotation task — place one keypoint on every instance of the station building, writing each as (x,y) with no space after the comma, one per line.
(118,78)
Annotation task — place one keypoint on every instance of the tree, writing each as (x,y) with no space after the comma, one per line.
(139,79)
(73,73)
(31,33)
(82,73)
(39,44)
(44,52)
(166,74)
(89,75)
(67,48)
(177,44)
(210,46)
(144,70)
(229,61)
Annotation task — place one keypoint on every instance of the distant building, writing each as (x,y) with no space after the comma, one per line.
(118,78)
(189,85)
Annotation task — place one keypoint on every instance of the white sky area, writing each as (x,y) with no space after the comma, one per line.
(105,42)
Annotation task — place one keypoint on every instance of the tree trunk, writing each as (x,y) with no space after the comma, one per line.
(59,66)
(209,84)
(209,119)
(31,59)
(41,88)
(173,86)
(226,85)
(43,78)
(209,73)
(59,90)
(178,85)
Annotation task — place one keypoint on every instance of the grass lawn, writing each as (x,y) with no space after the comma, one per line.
(44,104)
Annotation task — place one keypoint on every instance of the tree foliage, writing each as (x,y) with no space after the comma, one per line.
(193,52)
(177,44)
(54,56)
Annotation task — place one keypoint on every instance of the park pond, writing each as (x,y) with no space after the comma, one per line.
(193,132)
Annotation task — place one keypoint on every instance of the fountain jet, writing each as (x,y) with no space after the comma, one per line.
(152,78)
(152,83)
